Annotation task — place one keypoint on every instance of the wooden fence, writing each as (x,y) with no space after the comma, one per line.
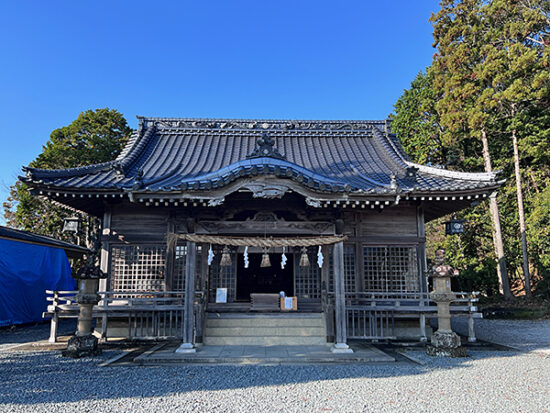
(149,315)
(372,315)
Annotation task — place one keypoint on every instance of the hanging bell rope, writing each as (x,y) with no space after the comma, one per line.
(263,242)
(226,258)
(265,259)
(304,259)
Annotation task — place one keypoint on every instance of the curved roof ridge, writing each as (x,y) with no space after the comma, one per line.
(131,153)
(328,121)
(262,162)
(441,172)
(446,173)
(67,172)
(134,137)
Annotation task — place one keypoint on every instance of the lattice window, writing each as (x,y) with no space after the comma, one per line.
(138,268)
(391,269)
(307,280)
(179,267)
(349,269)
(223,277)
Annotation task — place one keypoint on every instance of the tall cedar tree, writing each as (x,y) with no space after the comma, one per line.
(95,136)
(516,70)
(417,124)
(521,26)
(459,39)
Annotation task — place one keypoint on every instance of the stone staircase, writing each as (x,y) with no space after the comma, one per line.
(290,329)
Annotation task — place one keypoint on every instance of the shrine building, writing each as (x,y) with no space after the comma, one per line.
(214,219)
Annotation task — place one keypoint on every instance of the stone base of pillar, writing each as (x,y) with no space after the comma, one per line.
(446,344)
(341,348)
(186,348)
(82,346)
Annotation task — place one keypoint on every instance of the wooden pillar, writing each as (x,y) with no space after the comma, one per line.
(340,345)
(188,315)
(326,298)
(422,268)
(171,242)
(104,266)
(421,250)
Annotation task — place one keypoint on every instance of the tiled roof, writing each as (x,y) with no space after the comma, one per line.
(167,155)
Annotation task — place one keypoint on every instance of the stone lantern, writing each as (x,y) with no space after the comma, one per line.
(84,343)
(444,341)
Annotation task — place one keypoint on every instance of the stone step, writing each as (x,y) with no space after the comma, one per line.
(265,329)
(265,341)
(280,331)
(266,322)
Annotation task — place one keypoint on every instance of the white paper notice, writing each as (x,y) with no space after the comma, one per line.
(221,295)
(288,303)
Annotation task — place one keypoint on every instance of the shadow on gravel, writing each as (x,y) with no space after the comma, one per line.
(30,378)
(23,333)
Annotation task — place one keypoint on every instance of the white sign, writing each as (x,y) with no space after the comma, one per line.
(288,303)
(221,295)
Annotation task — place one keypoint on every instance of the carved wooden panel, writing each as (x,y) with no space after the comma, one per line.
(265,223)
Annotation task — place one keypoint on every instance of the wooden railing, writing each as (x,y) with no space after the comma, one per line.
(371,315)
(149,314)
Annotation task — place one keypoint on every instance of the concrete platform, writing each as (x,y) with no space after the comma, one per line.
(270,355)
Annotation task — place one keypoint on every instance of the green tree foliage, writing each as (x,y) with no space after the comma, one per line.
(95,136)
(416,122)
(490,73)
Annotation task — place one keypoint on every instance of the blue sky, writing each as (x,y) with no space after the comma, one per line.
(236,59)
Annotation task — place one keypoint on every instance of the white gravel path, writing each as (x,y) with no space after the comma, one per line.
(497,381)
(525,335)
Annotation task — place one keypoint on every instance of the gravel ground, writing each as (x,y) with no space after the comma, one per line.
(526,335)
(496,381)
(19,334)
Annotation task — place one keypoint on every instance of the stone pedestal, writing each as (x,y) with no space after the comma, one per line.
(186,348)
(444,341)
(84,343)
(341,348)
(446,344)
(82,346)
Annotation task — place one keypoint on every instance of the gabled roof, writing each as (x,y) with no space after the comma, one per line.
(199,155)
(72,250)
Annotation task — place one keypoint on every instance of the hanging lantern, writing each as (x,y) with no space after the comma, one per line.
(304,260)
(454,226)
(226,258)
(265,260)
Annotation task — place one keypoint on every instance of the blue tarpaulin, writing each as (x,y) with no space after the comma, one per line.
(26,272)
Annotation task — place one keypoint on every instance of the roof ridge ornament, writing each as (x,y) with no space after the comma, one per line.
(138,180)
(265,146)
